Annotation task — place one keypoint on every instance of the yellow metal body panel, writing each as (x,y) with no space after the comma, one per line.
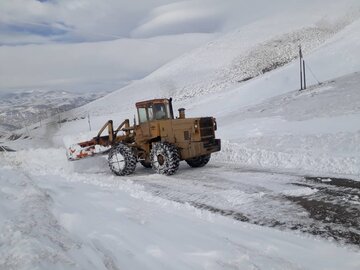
(193,137)
(184,133)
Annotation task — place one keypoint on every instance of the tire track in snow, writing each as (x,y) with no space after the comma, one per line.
(258,197)
(327,209)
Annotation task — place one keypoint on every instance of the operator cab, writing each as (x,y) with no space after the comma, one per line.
(155,109)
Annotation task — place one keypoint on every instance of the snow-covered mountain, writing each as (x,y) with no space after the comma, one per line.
(23,108)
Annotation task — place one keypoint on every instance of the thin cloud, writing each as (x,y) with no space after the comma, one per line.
(89,20)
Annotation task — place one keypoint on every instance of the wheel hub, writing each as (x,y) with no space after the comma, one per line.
(117,161)
(161,159)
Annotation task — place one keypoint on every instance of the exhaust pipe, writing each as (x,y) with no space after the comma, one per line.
(171,108)
(181,113)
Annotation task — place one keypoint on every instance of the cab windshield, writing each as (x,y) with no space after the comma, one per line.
(158,111)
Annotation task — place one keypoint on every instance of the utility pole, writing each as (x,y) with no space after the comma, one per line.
(302,70)
(304,74)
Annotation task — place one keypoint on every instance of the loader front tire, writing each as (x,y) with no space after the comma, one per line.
(198,162)
(165,158)
(122,160)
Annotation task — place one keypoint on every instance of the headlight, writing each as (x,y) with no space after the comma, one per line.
(196,126)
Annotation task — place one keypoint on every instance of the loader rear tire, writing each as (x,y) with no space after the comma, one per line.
(122,160)
(165,158)
(198,162)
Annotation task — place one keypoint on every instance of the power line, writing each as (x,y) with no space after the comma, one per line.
(312,73)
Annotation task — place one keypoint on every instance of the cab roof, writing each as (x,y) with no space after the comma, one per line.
(147,103)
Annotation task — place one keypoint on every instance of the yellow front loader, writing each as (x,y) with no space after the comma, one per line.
(158,141)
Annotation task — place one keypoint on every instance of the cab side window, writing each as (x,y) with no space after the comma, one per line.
(142,115)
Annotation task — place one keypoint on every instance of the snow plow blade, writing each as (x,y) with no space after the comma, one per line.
(98,145)
(86,149)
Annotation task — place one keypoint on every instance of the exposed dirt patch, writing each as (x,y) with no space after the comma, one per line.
(339,222)
(227,213)
(334,209)
(339,182)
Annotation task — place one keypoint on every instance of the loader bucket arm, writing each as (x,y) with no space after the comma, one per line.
(110,126)
(100,144)
(124,126)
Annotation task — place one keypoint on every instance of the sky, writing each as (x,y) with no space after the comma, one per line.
(46,21)
(113,42)
(89,45)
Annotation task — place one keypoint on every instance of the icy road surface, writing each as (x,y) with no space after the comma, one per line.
(58,214)
(319,206)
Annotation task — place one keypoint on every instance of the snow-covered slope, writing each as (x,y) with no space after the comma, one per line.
(248,52)
(248,66)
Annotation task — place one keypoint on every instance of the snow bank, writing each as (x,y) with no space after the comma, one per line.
(312,131)
(30,235)
(299,161)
